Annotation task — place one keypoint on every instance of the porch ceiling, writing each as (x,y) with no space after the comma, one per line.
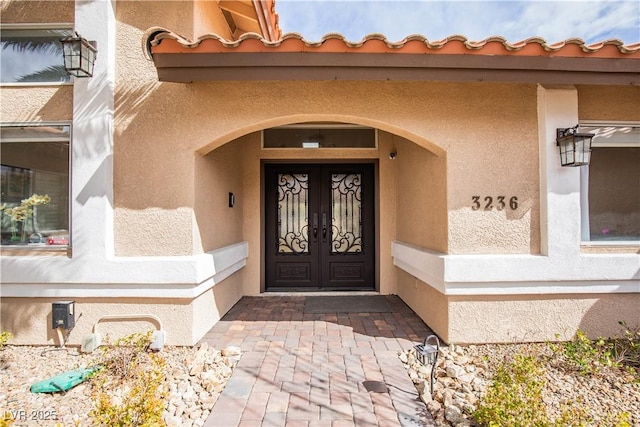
(249,16)
(252,57)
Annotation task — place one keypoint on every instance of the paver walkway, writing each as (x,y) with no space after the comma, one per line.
(336,369)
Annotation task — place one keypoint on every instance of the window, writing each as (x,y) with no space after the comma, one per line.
(319,135)
(32,55)
(611,184)
(34,185)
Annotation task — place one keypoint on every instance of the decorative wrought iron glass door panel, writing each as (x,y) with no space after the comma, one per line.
(319,226)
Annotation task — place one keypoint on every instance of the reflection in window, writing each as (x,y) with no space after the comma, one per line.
(34,185)
(614,184)
(32,56)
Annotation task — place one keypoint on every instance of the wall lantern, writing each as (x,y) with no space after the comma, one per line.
(427,354)
(575,148)
(79,55)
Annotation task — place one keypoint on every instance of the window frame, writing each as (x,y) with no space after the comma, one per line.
(585,233)
(36,27)
(321,126)
(49,248)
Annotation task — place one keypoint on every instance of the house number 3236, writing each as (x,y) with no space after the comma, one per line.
(488,203)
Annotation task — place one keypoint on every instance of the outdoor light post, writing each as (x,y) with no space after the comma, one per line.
(79,55)
(427,354)
(575,148)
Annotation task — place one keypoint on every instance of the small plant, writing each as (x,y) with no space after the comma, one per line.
(6,420)
(23,213)
(514,398)
(4,337)
(626,349)
(588,357)
(130,389)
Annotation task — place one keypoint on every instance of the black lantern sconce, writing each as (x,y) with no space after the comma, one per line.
(79,55)
(575,148)
(427,354)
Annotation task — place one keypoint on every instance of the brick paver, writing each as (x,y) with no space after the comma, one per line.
(301,369)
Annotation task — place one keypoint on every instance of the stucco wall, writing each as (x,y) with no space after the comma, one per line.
(36,103)
(43,11)
(494,152)
(217,174)
(427,302)
(421,204)
(29,319)
(539,318)
(603,103)
(209,307)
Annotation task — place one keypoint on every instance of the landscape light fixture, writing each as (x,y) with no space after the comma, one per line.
(427,354)
(79,55)
(575,148)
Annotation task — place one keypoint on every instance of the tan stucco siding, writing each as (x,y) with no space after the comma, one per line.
(427,302)
(421,188)
(617,103)
(209,307)
(539,318)
(494,153)
(208,19)
(33,12)
(174,120)
(217,174)
(141,15)
(36,104)
(29,319)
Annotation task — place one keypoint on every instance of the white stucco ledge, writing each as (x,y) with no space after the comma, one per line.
(520,274)
(117,277)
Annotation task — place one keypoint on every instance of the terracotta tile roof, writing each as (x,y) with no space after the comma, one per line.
(169,42)
(455,58)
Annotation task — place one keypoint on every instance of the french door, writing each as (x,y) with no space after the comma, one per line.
(319,227)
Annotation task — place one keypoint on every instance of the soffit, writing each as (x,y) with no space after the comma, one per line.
(291,57)
(251,16)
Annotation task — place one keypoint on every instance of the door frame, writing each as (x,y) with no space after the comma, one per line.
(328,161)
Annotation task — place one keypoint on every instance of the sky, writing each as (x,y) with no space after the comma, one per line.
(554,21)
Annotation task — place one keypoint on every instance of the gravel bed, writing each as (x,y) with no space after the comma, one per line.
(464,372)
(195,378)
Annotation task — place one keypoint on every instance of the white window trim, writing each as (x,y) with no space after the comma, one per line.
(584,194)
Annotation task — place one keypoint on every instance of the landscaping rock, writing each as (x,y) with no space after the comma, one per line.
(463,374)
(194,380)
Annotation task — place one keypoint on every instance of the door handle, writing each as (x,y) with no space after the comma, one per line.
(324,226)
(315,226)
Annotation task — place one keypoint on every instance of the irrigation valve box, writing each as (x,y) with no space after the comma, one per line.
(63,314)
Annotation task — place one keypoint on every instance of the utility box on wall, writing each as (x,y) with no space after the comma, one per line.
(63,314)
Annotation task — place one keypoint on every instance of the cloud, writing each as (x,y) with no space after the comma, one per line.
(592,21)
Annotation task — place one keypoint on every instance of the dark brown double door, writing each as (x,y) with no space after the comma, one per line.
(319,227)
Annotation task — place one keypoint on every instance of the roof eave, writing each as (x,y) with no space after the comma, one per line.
(188,67)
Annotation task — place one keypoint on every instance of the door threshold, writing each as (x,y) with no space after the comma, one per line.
(317,293)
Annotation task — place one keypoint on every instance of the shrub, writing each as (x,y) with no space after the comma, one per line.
(130,389)
(588,357)
(4,337)
(6,420)
(514,398)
